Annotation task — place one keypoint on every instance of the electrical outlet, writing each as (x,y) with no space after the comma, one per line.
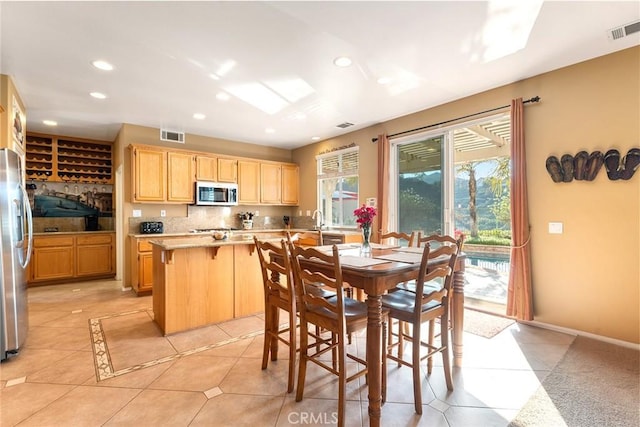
(308,212)
(137,213)
(163,212)
(555,228)
(257,213)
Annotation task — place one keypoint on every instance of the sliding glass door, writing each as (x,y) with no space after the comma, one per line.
(421,176)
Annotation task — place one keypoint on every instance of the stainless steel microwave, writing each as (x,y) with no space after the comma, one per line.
(216,193)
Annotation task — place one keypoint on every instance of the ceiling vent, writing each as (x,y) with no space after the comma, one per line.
(344,125)
(171,136)
(624,30)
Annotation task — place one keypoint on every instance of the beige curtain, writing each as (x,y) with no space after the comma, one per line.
(519,295)
(383,184)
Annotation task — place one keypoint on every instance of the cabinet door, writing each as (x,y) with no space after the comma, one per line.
(206,168)
(290,184)
(52,258)
(227,170)
(248,182)
(270,183)
(145,272)
(95,255)
(149,175)
(180,179)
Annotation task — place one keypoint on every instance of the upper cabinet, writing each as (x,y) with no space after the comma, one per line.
(290,184)
(62,159)
(206,168)
(227,170)
(248,182)
(162,176)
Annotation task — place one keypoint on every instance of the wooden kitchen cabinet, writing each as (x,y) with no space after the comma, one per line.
(52,258)
(95,255)
(270,183)
(290,184)
(206,168)
(141,266)
(161,175)
(180,177)
(248,182)
(149,170)
(227,170)
(71,257)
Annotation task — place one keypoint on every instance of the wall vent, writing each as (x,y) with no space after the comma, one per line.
(344,125)
(171,136)
(624,30)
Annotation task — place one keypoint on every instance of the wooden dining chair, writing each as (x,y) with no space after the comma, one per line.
(403,239)
(427,303)
(340,316)
(278,295)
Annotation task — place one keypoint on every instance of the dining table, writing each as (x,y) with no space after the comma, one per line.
(374,274)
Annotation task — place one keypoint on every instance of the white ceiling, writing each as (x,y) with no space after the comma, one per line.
(165,52)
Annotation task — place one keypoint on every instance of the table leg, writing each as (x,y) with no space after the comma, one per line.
(458,315)
(374,357)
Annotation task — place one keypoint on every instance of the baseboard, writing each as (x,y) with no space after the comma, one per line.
(576,332)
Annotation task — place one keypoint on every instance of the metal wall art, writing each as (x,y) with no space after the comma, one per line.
(585,167)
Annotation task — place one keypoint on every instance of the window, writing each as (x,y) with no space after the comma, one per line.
(338,186)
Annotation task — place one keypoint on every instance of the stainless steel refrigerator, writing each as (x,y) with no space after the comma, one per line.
(15,247)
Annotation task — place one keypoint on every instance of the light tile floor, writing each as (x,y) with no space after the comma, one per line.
(159,381)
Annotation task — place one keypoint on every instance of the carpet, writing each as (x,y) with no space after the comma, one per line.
(483,324)
(596,384)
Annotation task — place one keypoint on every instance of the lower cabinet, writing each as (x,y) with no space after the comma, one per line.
(249,292)
(329,238)
(72,257)
(141,266)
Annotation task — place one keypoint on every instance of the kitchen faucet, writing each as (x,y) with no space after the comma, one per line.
(319,223)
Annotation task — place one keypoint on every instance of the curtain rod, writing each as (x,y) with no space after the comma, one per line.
(534,99)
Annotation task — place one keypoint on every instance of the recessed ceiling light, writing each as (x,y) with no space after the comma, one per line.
(315,138)
(222,96)
(384,80)
(270,130)
(50,122)
(98,95)
(199,116)
(102,65)
(342,61)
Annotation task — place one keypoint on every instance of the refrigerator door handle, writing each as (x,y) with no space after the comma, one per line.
(26,208)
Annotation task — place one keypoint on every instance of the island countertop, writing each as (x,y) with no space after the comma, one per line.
(209,241)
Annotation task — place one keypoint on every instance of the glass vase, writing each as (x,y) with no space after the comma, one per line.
(365,248)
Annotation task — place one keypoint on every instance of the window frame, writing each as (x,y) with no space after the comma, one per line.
(322,176)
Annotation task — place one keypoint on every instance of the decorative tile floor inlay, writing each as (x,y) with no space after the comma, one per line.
(102,359)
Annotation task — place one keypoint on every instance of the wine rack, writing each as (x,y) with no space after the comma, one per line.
(60,159)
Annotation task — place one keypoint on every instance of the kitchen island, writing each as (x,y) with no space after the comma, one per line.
(199,281)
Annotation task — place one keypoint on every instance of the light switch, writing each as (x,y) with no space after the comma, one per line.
(137,213)
(555,228)
(163,212)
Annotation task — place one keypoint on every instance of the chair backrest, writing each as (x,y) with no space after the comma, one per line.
(436,241)
(441,273)
(330,276)
(305,238)
(403,239)
(277,277)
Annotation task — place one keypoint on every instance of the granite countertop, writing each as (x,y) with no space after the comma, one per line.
(208,241)
(58,233)
(243,232)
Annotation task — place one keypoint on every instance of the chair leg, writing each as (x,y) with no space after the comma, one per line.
(342,381)
(446,360)
(292,351)
(267,336)
(302,368)
(430,341)
(415,362)
(275,324)
(400,341)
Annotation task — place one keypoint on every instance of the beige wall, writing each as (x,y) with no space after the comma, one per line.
(587,278)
